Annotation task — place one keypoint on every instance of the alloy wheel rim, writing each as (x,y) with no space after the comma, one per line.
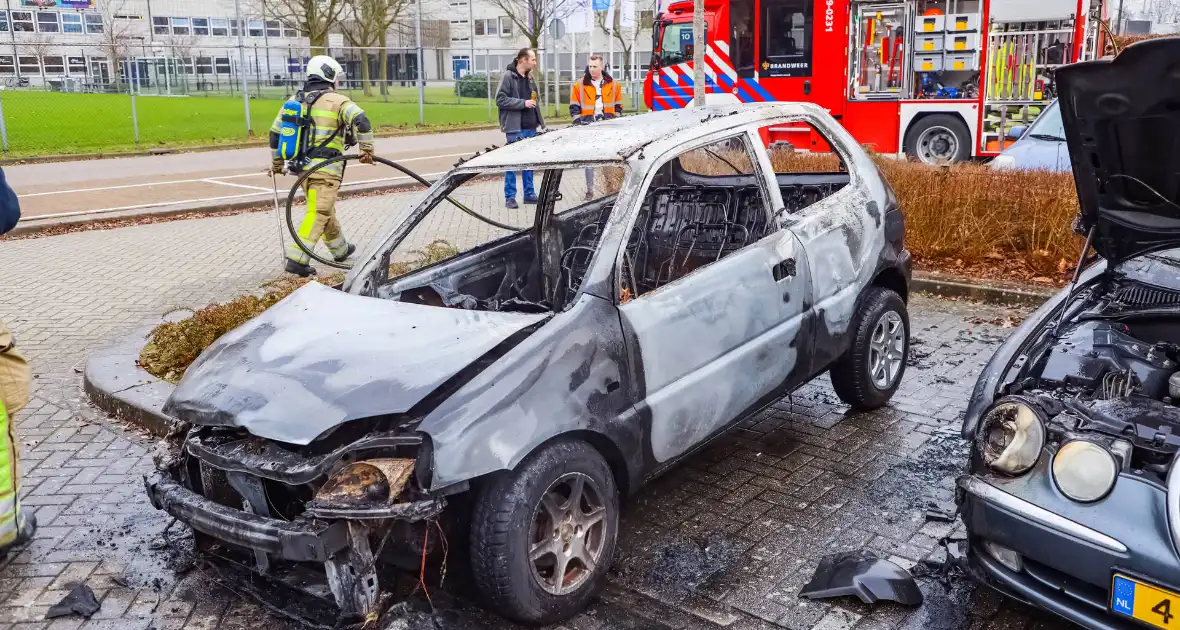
(887,350)
(568,534)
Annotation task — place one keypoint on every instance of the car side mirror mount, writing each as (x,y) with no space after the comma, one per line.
(1017,132)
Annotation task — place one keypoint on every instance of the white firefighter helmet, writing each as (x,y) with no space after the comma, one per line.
(324,67)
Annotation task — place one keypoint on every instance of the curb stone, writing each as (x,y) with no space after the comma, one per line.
(943,287)
(116,384)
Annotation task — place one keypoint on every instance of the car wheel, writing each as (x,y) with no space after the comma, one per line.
(867,376)
(938,139)
(543,536)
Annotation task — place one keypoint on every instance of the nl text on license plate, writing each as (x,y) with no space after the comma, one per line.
(1148,604)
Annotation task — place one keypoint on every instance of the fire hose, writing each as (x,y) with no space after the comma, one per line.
(308,248)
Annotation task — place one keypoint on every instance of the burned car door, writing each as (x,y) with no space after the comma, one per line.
(710,302)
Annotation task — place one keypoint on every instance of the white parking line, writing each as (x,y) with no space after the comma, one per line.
(206,180)
(214,181)
(160,204)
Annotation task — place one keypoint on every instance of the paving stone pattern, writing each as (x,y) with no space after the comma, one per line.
(725,540)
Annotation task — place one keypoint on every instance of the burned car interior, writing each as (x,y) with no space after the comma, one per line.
(699,207)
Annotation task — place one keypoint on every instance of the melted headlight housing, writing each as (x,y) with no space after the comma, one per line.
(1012,437)
(372,482)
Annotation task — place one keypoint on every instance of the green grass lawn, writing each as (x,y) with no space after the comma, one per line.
(46,123)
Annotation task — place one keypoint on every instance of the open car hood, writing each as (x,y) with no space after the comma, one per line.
(322,357)
(1122,125)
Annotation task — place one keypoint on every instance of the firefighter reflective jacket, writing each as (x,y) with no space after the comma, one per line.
(584,95)
(332,115)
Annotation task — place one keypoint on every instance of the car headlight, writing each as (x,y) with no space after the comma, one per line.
(366,483)
(1084,471)
(1012,437)
(1003,161)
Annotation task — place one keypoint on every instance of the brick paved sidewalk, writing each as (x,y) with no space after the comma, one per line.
(726,539)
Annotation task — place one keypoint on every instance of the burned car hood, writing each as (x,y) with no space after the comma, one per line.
(1122,121)
(322,357)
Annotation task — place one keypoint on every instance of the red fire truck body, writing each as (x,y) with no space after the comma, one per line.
(940,80)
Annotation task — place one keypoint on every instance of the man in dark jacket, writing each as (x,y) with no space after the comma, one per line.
(519,116)
(16,523)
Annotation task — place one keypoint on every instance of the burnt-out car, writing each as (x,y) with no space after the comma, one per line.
(521,370)
(1072,500)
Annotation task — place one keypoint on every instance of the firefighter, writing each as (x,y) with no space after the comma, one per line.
(16,523)
(333,116)
(596,96)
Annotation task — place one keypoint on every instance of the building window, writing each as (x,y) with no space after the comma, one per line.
(4,23)
(71,23)
(219,27)
(234,27)
(22,22)
(93,23)
(47,22)
(479,27)
(222,64)
(76,65)
(54,64)
(180,26)
(160,25)
(256,28)
(204,65)
(200,26)
(290,32)
(505,26)
(273,28)
(7,65)
(28,64)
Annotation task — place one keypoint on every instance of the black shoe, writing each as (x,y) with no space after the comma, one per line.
(532,201)
(25,534)
(511,204)
(300,269)
(351,251)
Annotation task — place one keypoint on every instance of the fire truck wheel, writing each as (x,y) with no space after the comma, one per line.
(938,139)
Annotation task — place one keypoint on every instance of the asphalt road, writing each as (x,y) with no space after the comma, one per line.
(163,182)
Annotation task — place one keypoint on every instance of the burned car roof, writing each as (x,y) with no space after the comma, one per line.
(620,138)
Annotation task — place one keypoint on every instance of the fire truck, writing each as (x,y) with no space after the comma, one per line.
(938,80)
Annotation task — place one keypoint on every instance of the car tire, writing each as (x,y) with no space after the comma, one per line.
(516,511)
(938,139)
(880,325)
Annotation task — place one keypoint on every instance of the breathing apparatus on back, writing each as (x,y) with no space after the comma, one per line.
(297,128)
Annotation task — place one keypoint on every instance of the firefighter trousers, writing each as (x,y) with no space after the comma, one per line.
(14,395)
(10,515)
(320,221)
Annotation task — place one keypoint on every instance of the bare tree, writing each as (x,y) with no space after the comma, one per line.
(532,16)
(367,25)
(624,36)
(181,47)
(314,17)
(116,34)
(38,50)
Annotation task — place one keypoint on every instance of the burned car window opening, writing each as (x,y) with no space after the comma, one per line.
(700,207)
(449,260)
(805,172)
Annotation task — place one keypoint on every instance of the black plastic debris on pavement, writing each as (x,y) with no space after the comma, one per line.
(80,600)
(864,575)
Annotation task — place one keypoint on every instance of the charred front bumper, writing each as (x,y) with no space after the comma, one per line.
(296,541)
(1033,543)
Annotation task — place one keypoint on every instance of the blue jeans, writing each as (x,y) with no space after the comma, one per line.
(527,176)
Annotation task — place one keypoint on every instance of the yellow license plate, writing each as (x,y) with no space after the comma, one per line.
(1143,602)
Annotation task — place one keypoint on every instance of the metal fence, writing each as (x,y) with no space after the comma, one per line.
(58,99)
